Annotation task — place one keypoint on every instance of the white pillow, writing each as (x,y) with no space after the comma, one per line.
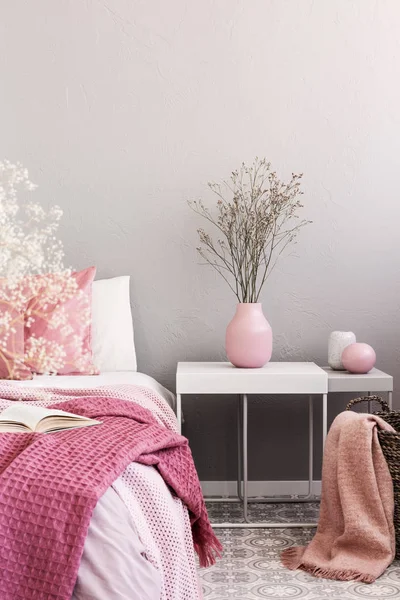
(112,328)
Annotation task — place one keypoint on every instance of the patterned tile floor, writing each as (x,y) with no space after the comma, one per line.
(250,567)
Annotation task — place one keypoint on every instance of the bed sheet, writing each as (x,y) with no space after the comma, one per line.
(105,378)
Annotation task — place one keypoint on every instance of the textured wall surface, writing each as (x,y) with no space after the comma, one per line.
(122,110)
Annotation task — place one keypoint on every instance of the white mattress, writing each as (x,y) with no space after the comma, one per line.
(93,381)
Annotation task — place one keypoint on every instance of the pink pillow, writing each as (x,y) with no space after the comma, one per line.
(11,337)
(58,325)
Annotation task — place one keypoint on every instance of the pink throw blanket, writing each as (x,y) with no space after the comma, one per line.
(49,486)
(355,539)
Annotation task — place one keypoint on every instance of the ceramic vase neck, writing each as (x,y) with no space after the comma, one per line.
(246,307)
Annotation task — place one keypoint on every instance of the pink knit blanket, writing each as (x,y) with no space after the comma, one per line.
(355,538)
(49,486)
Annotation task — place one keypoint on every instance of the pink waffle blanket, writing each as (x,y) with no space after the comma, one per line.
(49,486)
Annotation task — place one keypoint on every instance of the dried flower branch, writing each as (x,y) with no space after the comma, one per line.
(254,226)
(32,276)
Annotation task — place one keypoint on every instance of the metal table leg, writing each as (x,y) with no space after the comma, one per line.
(179,412)
(242,478)
(239,482)
(263,500)
(240,446)
(324,419)
(262,525)
(309,496)
(245,458)
(390,400)
(244,454)
(310,446)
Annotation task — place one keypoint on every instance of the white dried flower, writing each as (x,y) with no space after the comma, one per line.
(31,263)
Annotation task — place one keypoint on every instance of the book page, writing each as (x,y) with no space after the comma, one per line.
(32,415)
(52,424)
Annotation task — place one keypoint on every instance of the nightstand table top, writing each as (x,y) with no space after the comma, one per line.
(343,381)
(274,378)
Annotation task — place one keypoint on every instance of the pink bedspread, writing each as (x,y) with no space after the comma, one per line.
(49,485)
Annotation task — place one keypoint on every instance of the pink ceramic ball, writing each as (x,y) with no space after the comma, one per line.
(358,358)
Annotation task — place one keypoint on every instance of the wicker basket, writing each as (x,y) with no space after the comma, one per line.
(390,443)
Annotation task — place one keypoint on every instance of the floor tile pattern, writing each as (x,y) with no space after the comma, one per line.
(250,567)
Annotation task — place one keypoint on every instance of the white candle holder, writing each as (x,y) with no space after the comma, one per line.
(338,341)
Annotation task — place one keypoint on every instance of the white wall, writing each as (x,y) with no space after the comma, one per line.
(122,110)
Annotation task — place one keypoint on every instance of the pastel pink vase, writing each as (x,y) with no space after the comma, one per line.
(249,337)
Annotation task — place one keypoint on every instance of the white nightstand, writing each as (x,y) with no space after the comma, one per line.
(275,378)
(375,381)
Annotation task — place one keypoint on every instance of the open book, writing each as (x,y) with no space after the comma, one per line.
(22,418)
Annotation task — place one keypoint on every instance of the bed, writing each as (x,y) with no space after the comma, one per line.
(139,544)
(125,555)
